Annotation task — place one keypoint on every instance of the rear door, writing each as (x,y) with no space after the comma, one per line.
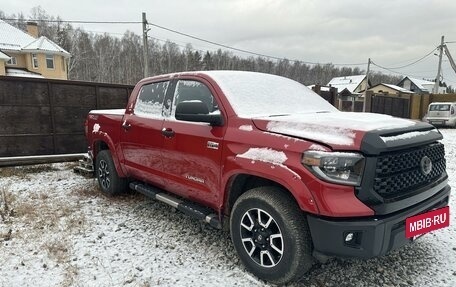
(192,151)
(439,111)
(142,139)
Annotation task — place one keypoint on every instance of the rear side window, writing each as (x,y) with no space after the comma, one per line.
(442,108)
(149,103)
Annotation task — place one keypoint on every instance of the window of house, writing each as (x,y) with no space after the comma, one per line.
(35,61)
(50,61)
(12,61)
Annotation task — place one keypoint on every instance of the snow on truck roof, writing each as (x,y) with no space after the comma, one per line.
(253,94)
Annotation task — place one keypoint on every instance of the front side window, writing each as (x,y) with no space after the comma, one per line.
(149,103)
(35,61)
(50,61)
(187,90)
(12,61)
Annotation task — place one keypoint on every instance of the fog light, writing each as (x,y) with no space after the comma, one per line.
(352,238)
(349,237)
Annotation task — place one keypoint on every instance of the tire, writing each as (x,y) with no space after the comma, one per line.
(271,235)
(109,181)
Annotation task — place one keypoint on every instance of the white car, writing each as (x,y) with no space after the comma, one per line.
(442,114)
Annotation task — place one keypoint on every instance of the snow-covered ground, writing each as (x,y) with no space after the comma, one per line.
(57,229)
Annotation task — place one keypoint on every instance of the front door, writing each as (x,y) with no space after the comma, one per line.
(192,151)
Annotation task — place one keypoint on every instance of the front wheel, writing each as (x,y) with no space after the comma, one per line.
(108,179)
(271,235)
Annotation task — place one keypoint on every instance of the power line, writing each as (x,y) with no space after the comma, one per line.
(408,65)
(73,21)
(247,51)
(395,72)
(190,36)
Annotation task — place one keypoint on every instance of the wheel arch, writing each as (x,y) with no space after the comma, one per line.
(240,183)
(100,145)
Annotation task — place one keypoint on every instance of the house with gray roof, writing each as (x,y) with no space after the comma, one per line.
(419,86)
(25,54)
(349,85)
(384,88)
(350,91)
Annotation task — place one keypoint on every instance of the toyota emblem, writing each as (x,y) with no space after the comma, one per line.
(426,165)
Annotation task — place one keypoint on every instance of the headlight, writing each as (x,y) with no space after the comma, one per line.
(337,167)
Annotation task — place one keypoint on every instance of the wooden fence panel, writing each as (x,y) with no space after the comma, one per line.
(43,116)
(112,98)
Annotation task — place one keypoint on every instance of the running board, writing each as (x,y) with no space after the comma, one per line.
(201,213)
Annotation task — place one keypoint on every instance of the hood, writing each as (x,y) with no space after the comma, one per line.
(368,132)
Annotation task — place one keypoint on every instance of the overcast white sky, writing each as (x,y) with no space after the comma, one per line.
(392,33)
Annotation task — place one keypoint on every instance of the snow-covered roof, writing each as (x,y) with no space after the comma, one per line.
(44,44)
(421,84)
(347,82)
(397,88)
(4,56)
(322,88)
(14,39)
(21,73)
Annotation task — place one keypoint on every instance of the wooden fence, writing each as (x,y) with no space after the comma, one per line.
(43,116)
(405,105)
(327,93)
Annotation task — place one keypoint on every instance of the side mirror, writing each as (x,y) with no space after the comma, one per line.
(197,111)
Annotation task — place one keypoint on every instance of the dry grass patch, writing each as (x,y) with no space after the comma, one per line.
(90,191)
(7,200)
(24,171)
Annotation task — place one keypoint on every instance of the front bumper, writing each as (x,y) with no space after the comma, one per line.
(372,236)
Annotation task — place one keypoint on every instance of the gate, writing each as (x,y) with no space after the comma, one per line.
(391,105)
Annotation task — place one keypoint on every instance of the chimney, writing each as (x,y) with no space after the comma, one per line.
(32,29)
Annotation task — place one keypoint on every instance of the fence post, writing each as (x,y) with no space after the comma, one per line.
(97,101)
(52,113)
(368,101)
(333,92)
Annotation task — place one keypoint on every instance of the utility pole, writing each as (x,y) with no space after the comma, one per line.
(145,45)
(367,84)
(437,79)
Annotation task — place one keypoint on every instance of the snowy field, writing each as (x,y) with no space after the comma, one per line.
(57,229)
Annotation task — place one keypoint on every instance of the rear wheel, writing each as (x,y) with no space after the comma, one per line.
(108,179)
(271,235)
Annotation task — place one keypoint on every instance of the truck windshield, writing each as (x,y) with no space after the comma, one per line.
(257,94)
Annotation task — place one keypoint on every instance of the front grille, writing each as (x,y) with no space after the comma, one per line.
(398,174)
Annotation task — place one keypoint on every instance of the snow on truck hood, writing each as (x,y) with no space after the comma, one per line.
(337,129)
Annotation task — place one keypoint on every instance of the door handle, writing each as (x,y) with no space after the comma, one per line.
(126,125)
(167,132)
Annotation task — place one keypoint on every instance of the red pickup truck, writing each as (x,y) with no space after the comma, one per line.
(289,175)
